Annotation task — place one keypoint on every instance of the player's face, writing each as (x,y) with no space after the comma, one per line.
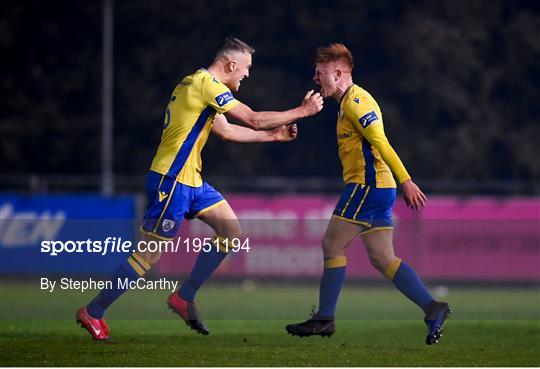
(325,78)
(240,70)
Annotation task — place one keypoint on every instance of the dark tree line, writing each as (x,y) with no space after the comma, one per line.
(458,82)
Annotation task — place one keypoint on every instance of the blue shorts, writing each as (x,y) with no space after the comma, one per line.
(169,202)
(367,206)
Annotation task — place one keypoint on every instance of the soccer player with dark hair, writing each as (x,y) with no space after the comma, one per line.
(200,104)
(365,208)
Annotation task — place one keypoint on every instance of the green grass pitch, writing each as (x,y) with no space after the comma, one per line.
(376,327)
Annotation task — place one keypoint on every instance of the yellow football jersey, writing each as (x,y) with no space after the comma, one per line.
(364,150)
(188,121)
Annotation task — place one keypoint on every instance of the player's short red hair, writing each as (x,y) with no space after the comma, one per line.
(334,52)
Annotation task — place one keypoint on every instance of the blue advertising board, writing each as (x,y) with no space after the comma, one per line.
(28,223)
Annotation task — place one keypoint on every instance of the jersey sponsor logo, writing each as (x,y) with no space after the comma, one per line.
(356,100)
(224,98)
(167,225)
(162,196)
(367,119)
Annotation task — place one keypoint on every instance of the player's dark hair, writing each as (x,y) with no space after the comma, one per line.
(234,44)
(334,52)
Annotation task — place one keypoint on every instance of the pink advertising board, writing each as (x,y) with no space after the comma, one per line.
(451,239)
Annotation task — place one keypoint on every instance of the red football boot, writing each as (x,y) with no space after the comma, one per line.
(97,328)
(188,312)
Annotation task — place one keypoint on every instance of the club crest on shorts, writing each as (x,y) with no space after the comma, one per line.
(167,225)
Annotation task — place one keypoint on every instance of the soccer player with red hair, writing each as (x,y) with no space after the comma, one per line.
(365,208)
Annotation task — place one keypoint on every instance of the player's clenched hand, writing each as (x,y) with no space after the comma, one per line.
(312,104)
(414,198)
(286,133)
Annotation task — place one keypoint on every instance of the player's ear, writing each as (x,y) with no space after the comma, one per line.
(337,75)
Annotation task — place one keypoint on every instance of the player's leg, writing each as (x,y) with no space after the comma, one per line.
(166,200)
(380,248)
(376,211)
(211,208)
(338,236)
(341,230)
(132,268)
(226,227)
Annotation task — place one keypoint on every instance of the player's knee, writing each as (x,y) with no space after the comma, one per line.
(329,248)
(380,261)
(150,248)
(235,230)
(232,230)
(152,258)
(229,229)
(375,262)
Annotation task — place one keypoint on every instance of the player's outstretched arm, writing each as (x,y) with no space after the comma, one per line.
(260,120)
(232,132)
